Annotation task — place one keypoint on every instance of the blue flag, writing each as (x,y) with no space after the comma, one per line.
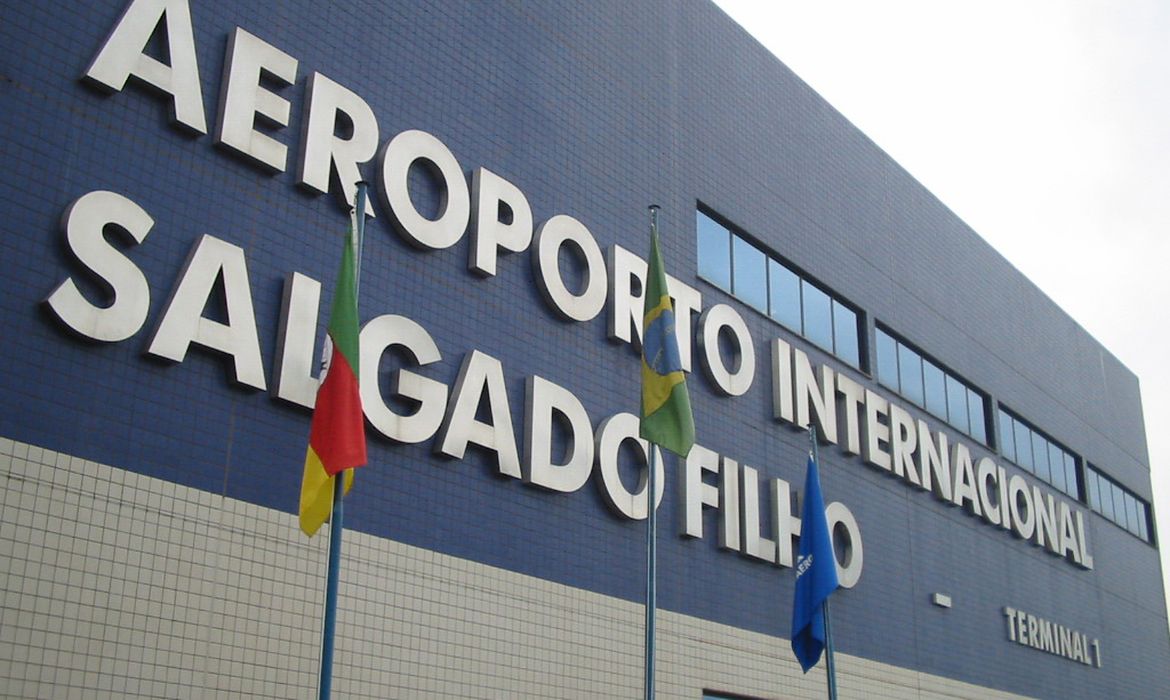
(816,574)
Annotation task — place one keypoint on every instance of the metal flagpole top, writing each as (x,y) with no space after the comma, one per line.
(359,208)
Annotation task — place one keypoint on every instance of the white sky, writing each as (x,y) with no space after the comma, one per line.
(1044,124)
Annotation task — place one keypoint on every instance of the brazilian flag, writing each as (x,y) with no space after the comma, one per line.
(666,415)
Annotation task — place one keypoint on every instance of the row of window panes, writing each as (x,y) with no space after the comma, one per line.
(907,372)
(1117,504)
(1035,453)
(738,266)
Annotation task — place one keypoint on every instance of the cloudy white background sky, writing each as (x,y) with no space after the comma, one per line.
(1044,124)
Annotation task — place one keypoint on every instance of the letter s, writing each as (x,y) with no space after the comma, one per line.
(84,224)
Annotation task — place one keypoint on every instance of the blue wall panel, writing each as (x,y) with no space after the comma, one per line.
(594,110)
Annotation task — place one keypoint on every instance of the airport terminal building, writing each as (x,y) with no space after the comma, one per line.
(174,197)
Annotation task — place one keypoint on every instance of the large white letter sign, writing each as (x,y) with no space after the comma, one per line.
(550,238)
(398,156)
(378,336)
(544,402)
(84,223)
(123,55)
(494,199)
(183,323)
(480,377)
(242,99)
(322,150)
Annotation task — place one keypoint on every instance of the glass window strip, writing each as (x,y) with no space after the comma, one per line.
(1040,457)
(1070,476)
(1119,515)
(1007,437)
(977,414)
(714,254)
(749,274)
(1117,504)
(732,263)
(957,404)
(887,361)
(910,374)
(1131,504)
(818,316)
(1033,452)
(846,343)
(784,297)
(902,368)
(935,387)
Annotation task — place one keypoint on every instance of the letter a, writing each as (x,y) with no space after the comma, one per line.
(123,54)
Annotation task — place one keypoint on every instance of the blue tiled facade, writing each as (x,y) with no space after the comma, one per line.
(594,110)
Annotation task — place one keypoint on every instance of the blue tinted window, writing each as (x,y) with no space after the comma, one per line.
(714,251)
(749,273)
(1007,437)
(1114,502)
(1131,513)
(784,290)
(1131,508)
(910,374)
(1106,488)
(934,385)
(1119,514)
(818,316)
(887,360)
(957,404)
(1070,476)
(727,260)
(1056,464)
(845,343)
(1040,457)
(977,413)
(1023,446)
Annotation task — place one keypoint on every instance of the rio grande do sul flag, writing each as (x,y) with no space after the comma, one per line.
(337,438)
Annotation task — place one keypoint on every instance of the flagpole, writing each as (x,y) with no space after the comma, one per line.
(830,666)
(336,520)
(651,573)
(651,537)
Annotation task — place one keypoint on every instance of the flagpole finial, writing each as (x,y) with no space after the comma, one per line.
(360,209)
(361,188)
(654,208)
(812,441)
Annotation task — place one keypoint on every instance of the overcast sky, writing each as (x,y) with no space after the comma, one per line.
(1044,124)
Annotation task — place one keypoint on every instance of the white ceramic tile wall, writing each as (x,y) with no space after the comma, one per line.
(116,585)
